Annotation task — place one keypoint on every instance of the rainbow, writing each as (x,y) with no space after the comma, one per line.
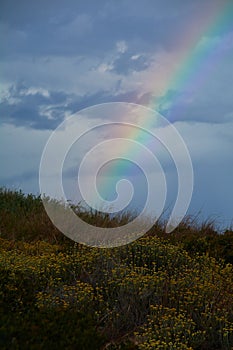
(199,56)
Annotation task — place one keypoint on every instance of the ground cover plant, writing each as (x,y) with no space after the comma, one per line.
(159,292)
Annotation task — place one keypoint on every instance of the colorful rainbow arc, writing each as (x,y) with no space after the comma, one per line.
(200,55)
(202,49)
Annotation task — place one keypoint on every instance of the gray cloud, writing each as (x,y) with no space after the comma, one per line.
(38,109)
(69,55)
(91,27)
(213,106)
(127,63)
(42,109)
(23,107)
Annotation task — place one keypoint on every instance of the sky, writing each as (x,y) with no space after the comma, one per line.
(173,56)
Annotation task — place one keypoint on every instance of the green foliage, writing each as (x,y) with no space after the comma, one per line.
(23,217)
(49,329)
(125,293)
(203,238)
(164,292)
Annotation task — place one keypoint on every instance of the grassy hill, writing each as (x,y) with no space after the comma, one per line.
(160,292)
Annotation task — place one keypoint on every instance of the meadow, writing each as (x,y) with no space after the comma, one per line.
(163,291)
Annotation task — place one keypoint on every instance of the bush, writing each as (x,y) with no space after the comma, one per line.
(49,329)
(155,293)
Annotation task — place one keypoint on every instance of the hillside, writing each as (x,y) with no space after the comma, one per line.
(159,292)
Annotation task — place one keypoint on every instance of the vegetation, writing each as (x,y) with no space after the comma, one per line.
(160,292)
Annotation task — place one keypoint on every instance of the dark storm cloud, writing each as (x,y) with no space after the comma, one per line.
(87,30)
(178,106)
(126,63)
(24,108)
(92,27)
(37,110)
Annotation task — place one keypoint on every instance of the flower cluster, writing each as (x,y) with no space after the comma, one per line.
(150,292)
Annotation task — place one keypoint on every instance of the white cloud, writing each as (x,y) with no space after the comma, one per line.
(135,57)
(121,46)
(104,67)
(34,91)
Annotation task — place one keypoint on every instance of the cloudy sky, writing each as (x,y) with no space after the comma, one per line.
(174,56)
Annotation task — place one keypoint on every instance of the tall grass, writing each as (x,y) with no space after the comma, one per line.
(163,291)
(23,217)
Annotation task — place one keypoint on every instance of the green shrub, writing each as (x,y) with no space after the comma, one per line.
(155,293)
(49,329)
